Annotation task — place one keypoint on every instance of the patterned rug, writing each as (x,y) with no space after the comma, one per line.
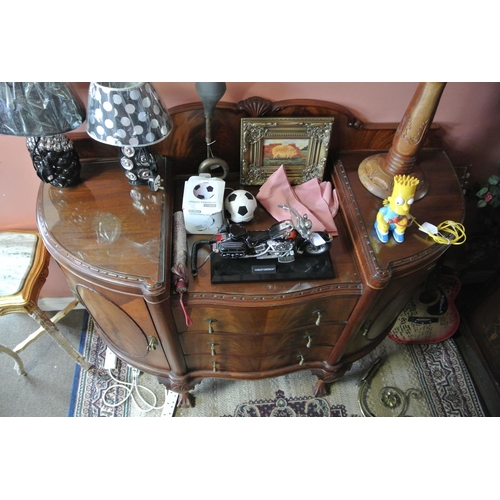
(405,380)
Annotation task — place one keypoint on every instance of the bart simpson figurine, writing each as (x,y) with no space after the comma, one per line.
(393,216)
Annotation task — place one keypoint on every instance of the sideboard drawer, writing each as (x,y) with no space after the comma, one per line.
(266,319)
(228,344)
(292,357)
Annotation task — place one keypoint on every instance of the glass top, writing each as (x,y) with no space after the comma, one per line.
(107,223)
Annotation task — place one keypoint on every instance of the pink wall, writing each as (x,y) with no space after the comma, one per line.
(468,112)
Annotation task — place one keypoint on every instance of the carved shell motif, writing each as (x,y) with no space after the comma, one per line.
(255,106)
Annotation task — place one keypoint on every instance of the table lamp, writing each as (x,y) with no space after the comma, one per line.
(42,112)
(129,115)
(210,94)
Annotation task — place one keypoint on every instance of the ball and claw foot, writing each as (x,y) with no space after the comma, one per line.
(320,389)
(185,400)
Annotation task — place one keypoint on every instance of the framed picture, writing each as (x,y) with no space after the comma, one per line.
(299,144)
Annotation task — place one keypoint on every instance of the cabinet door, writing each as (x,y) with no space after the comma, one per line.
(121,330)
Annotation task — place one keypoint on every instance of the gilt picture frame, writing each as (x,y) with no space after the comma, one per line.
(299,144)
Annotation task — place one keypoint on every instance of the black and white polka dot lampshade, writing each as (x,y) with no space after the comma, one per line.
(126,114)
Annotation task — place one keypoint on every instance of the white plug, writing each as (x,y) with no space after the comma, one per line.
(428,228)
(110,359)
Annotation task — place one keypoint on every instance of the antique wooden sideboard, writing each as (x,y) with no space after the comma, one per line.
(113,242)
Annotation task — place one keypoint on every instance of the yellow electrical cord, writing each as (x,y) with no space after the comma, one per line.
(448,232)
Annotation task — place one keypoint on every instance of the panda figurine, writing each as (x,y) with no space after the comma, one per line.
(240,205)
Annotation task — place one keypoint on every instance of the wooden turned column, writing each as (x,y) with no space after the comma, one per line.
(377,172)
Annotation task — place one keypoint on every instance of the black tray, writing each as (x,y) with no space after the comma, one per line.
(311,267)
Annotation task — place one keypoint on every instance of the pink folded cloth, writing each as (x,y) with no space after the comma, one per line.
(316,199)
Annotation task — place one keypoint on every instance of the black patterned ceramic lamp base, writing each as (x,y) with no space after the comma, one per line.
(140,164)
(55,160)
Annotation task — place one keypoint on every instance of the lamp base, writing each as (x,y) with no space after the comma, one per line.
(55,160)
(216,167)
(374,177)
(140,164)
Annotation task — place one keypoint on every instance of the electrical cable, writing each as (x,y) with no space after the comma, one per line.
(194,254)
(447,233)
(130,387)
(187,318)
(205,261)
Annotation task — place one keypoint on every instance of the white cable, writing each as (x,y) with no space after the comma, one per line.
(130,387)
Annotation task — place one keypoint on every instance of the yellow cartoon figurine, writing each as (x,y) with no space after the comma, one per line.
(393,216)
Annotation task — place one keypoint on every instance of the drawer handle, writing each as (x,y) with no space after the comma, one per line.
(212,347)
(309,341)
(318,319)
(152,343)
(210,321)
(301,359)
(214,366)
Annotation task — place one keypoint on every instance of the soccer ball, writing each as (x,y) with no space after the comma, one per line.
(240,205)
(203,191)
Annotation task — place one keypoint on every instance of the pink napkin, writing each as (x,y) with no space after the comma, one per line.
(316,199)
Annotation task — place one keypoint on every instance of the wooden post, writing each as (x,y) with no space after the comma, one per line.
(376,172)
